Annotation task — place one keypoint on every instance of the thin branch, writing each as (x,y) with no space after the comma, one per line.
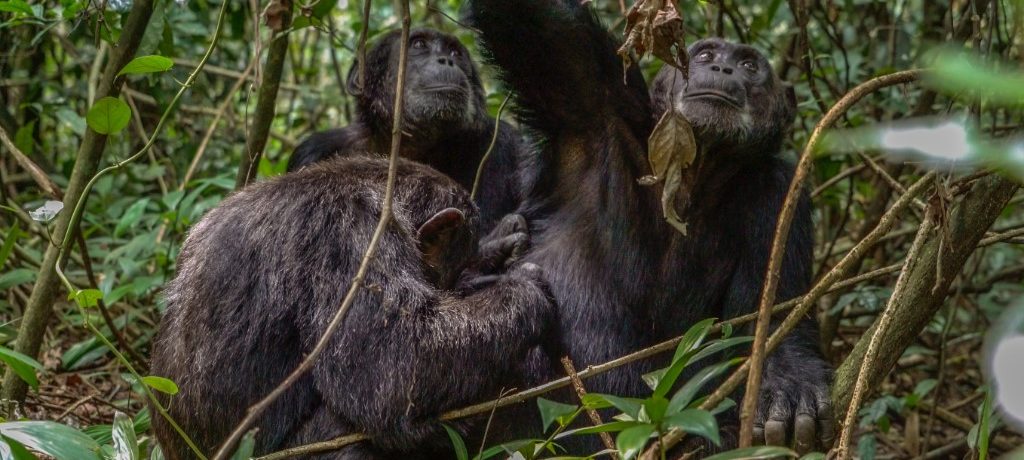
(756,361)
(490,148)
(385,218)
(581,391)
(884,321)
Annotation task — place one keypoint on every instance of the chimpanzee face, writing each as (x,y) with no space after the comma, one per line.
(733,96)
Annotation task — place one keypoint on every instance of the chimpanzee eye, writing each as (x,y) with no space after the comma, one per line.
(749,65)
(419,43)
(705,56)
(456,52)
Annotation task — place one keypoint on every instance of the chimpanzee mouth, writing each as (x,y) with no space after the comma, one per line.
(714,95)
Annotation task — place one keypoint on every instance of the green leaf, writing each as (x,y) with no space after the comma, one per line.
(720,345)
(958,73)
(246,446)
(754,453)
(813,456)
(628,406)
(653,409)
(147,64)
(696,421)
(86,298)
(131,216)
(685,395)
(8,246)
(16,277)
(108,115)
(693,338)
(632,440)
(551,411)
(161,384)
(609,427)
(11,449)
(16,6)
(457,443)
(126,445)
(51,438)
(24,366)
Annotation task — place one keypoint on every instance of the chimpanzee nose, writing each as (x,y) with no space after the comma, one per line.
(444,60)
(723,69)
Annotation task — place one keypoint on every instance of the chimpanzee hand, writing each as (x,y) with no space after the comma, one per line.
(505,245)
(795,407)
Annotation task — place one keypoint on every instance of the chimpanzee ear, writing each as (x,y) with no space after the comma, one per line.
(352,82)
(435,235)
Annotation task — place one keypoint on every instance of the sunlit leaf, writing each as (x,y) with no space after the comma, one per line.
(13,450)
(86,298)
(246,446)
(161,384)
(631,441)
(108,115)
(959,74)
(126,446)
(146,64)
(47,211)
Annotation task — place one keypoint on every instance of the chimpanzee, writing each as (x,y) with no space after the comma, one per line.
(254,292)
(622,277)
(445,119)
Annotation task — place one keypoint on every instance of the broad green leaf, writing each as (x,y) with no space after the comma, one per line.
(696,421)
(16,277)
(126,445)
(457,443)
(754,453)
(108,115)
(958,73)
(628,406)
(631,441)
(22,365)
(13,450)
(161,384)
(16,6)
(814,456)
(86,298)
(131,216)
(685,395)
(693,338)
(552,410)
(146,64)
(653,409)
(52,438)
(246,446)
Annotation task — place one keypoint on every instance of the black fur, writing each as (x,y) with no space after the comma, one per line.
(449,130)
(254,292)
(622,277)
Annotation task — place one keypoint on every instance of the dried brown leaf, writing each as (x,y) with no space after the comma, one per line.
(273,14)
(654,26)
(671,150)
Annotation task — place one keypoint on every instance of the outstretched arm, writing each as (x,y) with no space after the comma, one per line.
(561,63)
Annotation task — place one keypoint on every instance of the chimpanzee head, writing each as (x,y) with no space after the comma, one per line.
(733,98)
(442,86)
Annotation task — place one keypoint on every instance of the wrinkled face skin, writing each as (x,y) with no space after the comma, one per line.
(733,98)
(442,86)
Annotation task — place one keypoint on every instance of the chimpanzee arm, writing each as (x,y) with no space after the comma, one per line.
(407,352)
(561,63)
(794,401)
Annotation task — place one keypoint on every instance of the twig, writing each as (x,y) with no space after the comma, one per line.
(490,148)
(756,361)
(385,218)
(37,173)
(859,389)
(581,391)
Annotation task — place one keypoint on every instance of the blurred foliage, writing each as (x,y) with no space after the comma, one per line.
(52,52)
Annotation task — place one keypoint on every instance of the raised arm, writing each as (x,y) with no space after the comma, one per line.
(561,63)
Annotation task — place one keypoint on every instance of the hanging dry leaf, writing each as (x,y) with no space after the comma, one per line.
(274,14)
(670,150)
(655,26)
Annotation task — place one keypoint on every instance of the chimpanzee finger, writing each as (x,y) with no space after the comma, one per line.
(804,428)
(826,424)
(775,433)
